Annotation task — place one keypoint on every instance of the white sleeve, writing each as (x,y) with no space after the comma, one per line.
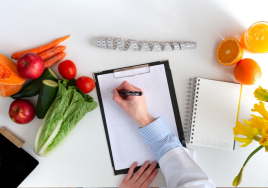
(180,170)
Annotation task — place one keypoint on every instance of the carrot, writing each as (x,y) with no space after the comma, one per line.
(51,52)
(40,49)
(54,60)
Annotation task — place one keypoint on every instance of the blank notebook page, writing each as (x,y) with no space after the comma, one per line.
(126,143)
(215,110)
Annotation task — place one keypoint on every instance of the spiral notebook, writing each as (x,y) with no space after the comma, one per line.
(215,110)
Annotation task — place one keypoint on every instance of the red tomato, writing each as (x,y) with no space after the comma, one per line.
(67,69)
(85,84)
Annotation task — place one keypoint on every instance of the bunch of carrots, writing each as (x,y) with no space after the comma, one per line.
(50,53)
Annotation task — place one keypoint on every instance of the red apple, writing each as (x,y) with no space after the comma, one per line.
(21,111)
(30,66)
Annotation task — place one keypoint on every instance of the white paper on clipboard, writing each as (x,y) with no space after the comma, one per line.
(126,143)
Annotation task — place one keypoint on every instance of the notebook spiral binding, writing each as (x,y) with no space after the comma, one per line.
(112,44)
(194,107)
(189,106)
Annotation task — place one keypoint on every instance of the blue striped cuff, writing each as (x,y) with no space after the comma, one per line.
(155,131)
(158,136)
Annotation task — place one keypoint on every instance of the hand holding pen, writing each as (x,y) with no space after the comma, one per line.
(134,105)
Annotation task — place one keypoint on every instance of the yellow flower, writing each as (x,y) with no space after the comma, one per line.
(260,109)
(261,94)
(264,141)
(244,130)
(246,141)
(249,132)
(265,130)
(257,122)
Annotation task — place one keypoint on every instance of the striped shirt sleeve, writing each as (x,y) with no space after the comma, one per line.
(158,136)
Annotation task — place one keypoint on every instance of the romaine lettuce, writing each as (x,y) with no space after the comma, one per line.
(68,108)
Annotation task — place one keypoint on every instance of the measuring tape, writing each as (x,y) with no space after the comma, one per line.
(112,44)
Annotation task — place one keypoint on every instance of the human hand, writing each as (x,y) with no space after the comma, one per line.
(142,178)
(134,106)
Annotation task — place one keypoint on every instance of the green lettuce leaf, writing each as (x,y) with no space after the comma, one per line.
(66,83)
(68,108)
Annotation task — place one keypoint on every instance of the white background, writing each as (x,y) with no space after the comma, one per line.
(84,159)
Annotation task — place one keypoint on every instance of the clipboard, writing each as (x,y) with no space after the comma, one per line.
(172,96)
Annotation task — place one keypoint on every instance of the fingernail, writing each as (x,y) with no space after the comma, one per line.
(155,170)
(153,163)
(147,163)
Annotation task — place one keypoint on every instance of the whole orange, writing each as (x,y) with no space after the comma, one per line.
(247,71)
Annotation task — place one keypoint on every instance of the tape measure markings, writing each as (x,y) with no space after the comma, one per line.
(109,43)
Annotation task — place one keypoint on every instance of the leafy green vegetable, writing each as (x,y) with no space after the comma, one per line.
(68,108)
(66,83)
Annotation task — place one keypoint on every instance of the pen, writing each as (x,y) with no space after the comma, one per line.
(130,93)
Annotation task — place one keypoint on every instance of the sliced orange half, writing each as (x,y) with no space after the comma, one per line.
(229,52)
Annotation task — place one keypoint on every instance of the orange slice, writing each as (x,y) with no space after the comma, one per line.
(10,80)
(229,52)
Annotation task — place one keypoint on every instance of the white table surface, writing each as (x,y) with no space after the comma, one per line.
(84,158)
